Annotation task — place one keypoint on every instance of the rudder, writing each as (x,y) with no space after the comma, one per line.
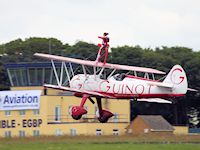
(178,78)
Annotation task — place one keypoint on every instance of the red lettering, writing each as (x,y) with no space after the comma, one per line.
(127,87)
(118,89)
(139,89)
(175,79)
(122,88)
(149,89)
(104,87)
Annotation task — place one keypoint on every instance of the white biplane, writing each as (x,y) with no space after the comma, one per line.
(115,85)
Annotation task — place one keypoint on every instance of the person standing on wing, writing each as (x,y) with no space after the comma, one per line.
(103,51)
(105,40)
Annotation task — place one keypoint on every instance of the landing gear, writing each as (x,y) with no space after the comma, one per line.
(76,117)
(77,111)
(104,115)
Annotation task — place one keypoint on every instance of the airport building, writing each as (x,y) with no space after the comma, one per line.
(51,116)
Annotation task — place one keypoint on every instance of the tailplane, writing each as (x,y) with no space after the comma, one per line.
(178,79)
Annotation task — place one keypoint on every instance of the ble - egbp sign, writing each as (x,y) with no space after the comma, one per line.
(20,100)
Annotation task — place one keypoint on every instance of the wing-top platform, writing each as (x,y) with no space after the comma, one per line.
(99,64)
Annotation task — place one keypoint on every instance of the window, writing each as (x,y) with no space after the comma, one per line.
(70,110)
(115,118)
(40,76)
(146,130)
(98,132)
(57,113)
(32,76)
(72,132)
(58,132)
(7,133)
(47,75)
(7,113)
(119,77)
(36,111)
(115,132)
(130,130)
(22,112)
(36,132)
(96,111)
(21,133)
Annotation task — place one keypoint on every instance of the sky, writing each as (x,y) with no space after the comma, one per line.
(148,23)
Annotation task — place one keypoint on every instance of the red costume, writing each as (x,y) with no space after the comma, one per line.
(103,51)
(105,40)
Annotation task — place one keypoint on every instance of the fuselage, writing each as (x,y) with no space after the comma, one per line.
(127,87)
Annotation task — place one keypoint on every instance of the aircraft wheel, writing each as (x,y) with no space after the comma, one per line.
(76,117)
(103,119)
(77,112)
(104,116)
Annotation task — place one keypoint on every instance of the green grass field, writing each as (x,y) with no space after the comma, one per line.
(100,146)
(103,143)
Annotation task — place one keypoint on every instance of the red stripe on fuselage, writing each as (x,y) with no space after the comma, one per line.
(128,96)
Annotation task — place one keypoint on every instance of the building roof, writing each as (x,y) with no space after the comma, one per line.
(31,65)
(156,123)
(35,73)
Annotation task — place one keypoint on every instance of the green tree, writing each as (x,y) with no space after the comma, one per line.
(82,50)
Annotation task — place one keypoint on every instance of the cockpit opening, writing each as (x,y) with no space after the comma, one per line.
(119,77)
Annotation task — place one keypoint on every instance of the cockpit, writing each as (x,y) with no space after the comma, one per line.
(119,77)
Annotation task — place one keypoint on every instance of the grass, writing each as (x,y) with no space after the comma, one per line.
(147,142)
(127,146)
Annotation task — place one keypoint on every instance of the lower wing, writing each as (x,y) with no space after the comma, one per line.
(92,93)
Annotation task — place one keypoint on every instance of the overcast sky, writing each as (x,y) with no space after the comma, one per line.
(148,23)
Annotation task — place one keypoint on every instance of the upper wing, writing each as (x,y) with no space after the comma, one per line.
(99,64)
(133,68)
(76,90)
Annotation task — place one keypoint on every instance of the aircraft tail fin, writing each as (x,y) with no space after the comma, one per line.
(178,79)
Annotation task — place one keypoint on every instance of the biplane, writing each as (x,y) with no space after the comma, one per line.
(120,82)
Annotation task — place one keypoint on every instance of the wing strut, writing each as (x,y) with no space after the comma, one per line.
(70,64)
(67,72)
(61,73)
(84,71)
(55,72)
(63,68)
(111,73)
(94,69)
